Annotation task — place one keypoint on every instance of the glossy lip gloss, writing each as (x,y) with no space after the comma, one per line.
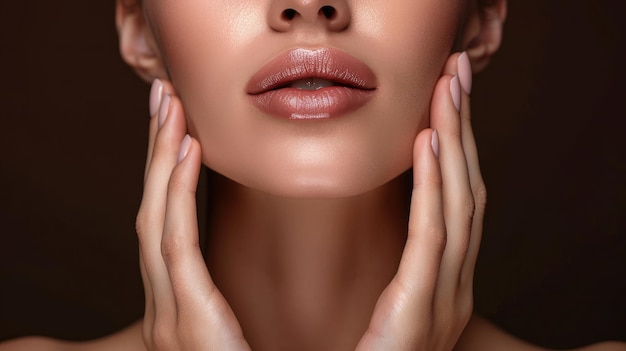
(275,90)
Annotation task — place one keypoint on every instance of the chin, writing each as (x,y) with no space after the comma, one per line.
(314,188)
(323,183)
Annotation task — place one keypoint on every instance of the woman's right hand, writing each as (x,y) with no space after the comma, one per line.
(184,308)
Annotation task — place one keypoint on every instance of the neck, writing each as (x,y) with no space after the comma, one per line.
(305,271)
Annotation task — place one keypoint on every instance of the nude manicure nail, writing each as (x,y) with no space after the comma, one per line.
(465,72)
(455,91)
(163,111)
(434,142)
(156,93)
(184,147)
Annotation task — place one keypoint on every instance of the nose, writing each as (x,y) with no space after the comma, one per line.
(333,15)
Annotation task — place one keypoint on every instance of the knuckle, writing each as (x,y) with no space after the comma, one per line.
(430,234)
(440,241)
(469,206)
(431,180)
(162,338)
(175,244)
(435,237)
(176,184)
(462,243)
(171,245)
(404,288)
(480,195)
(141,223)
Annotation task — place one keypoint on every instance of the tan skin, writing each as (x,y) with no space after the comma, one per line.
(296,261)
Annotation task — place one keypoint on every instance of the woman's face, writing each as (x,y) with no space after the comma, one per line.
(247,72)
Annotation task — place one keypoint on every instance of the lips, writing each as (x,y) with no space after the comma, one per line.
(312,84)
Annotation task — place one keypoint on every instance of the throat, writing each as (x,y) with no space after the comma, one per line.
(306,268)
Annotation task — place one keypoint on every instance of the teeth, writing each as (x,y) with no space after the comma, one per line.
(311,84)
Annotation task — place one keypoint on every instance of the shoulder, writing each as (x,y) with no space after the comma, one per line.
(129,339)
(32,343)
(484,336)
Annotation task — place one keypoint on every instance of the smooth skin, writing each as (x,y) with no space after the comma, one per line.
(424,307)
(315,264)
(308,275)
(210,52)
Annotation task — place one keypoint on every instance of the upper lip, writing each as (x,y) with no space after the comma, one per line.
(325,63)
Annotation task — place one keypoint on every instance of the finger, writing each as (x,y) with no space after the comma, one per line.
(411,291)
(458,203)
(159,89)
(197,298)
(156,93)
(180,243)
(426,238)
(148,317)
(459,64)
(152,211)
(476,179)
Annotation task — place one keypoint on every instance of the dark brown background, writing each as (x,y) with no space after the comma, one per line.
(550,124)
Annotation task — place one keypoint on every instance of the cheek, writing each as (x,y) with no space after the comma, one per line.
(413,40)
(204,44)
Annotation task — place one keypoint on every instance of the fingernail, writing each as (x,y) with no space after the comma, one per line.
(455,91)
(465,72)
(163,111)
(434,142)
(184,147)
(156,93)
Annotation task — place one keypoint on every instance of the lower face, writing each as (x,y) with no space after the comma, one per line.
(213,49)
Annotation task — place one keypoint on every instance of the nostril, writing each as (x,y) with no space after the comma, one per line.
(328,11)
(289,14)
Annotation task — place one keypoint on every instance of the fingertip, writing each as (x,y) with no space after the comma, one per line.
(172,120)
(156,94)
(184,148)
(434,142)
(426,140)
(164,109)
(184,176)
(464,69)
(455,92)
(426,153)
(451,66)
(168,88)
(189,159)
(446,105)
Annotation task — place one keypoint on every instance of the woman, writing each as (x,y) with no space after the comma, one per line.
(303,249)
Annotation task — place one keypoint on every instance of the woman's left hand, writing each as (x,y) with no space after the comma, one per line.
(429,301)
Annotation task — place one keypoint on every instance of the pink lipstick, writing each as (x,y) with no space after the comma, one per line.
(312,84)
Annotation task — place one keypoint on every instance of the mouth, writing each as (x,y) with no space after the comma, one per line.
(312,84)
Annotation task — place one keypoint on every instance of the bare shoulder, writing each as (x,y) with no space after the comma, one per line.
(484,336)
(128,339)
(481,335)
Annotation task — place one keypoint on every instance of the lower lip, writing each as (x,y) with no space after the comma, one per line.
(298,104)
